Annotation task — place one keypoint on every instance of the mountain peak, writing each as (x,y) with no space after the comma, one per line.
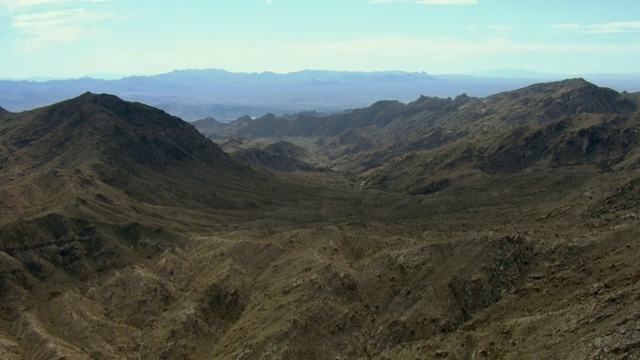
(571,96)
(268,117)
(102,127)
(103,100)
(107,108)
(582,96)
(129,146)
(554,86)
(575,82)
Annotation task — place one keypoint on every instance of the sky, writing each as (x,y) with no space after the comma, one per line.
(75,38)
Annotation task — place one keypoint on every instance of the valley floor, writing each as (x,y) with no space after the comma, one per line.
(355,275)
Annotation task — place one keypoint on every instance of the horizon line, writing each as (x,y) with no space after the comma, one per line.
(496,73)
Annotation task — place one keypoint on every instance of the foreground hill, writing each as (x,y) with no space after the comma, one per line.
(130,235)
(94,186)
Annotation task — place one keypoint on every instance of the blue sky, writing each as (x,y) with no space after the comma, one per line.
(73,38)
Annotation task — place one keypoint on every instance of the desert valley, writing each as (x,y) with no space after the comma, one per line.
(497,227)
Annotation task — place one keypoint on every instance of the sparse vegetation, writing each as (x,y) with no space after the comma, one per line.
(445,228)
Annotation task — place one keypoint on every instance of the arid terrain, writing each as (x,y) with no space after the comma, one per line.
(503,227)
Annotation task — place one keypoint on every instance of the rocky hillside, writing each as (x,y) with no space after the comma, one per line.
(280,155)
(462,229)
(94,186)
(131,147)
(364,138)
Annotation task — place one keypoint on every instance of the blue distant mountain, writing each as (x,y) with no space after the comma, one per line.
(223,95)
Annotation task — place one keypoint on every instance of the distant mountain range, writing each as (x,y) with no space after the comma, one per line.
(196,94)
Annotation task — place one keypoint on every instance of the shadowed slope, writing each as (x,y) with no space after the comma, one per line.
(97,172)
(141,151)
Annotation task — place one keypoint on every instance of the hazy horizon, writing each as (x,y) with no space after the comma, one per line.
(497,73)
(63,39)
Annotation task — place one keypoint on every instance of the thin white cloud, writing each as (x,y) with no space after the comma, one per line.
(54,28)
(606,28)
(34,22)
(447,51)
(428,2)
(47,23)
(500,28)
(269,2)
(21,4)
(567,26)
(28,3)
(54,37)
(615,27)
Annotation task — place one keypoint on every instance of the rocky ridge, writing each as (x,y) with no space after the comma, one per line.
(127,234)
